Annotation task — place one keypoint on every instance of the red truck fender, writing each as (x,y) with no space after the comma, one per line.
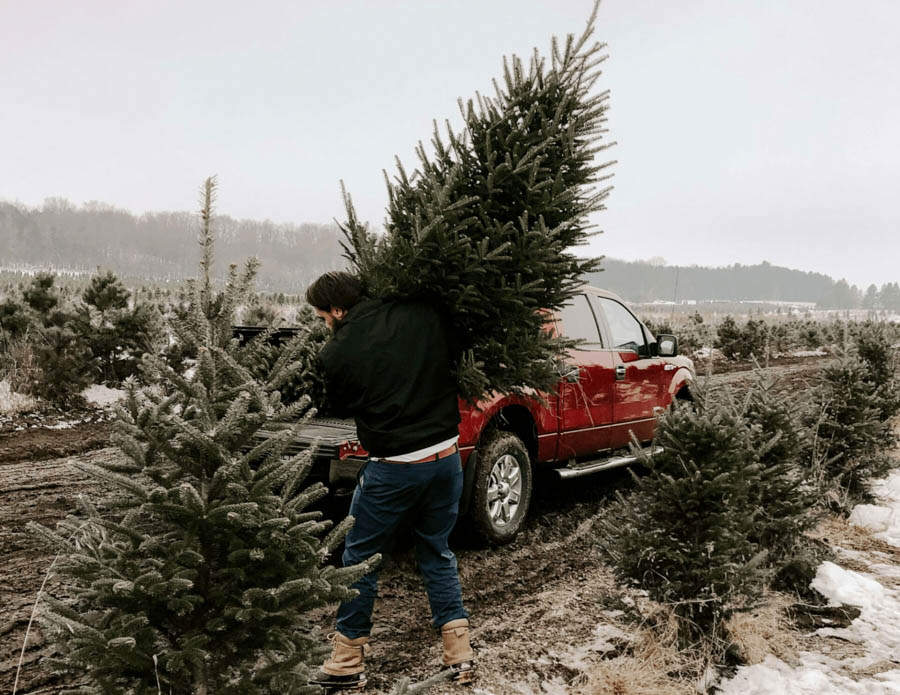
(520,414)
(680,385)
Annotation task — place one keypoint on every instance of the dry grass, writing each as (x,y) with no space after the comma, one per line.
(653,665)
(12,403)
(837,531)
(765,630)
(18,367)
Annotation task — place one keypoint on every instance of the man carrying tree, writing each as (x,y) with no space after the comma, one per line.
(389,365)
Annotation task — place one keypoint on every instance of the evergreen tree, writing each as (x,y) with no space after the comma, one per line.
(106,292)
(484,228)
(203,580)
(889,297)
(118,335)
(870,299)
(728,338)
(41,295)
(754,339)
(686,534)
(785,493)
(307,379)
(873,345)
(14,318)
(66,365)
(850,431)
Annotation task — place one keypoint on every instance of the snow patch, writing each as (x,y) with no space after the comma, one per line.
(102,395)
(843,587)
(876,630)
(884,519)
(62,425)
(706,351)
(816,675)
(818,352)
(601,641)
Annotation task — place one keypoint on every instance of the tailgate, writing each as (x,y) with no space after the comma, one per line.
(331,434)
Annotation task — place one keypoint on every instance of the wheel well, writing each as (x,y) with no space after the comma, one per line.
(517,419)
(684,394)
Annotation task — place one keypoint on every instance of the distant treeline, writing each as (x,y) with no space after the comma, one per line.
(158,246)
(643,281)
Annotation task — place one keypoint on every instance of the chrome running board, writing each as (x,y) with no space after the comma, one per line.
(604,464)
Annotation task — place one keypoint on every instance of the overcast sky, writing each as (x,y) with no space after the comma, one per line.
(747,130)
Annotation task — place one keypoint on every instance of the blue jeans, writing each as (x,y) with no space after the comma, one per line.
(388,494)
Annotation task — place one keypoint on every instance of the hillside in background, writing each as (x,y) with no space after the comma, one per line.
(160,246)
(643,281)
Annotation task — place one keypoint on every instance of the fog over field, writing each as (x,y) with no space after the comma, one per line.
(746,131)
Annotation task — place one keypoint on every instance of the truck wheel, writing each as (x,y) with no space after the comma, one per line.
(501,491)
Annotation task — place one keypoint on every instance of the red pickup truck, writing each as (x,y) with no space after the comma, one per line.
(617,381)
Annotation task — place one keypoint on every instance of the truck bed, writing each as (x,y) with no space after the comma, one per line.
(328,433)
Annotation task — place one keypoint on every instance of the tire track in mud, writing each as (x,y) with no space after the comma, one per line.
(530,601)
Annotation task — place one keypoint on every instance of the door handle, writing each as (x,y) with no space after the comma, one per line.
(620,372)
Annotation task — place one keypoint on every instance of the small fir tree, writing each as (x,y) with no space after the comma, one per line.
(754,339)
(41,295)
(106,292)
(14,318)
(875,349)
(484,228)
(118,334)
(785,494)
(685,534)
(203,581)
(850,431)
(728,338)
(307,379)
(65,364)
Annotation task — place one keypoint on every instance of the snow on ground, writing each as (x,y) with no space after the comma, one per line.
(102,395)
(876,631)
(818,352)
(604,639)
(706,351)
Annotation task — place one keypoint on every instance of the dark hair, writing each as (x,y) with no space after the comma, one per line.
(335,290)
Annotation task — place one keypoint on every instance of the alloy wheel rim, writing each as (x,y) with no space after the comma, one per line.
(504,493)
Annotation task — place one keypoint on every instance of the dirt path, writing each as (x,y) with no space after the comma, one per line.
(39,443)
(535,603)
(42,492)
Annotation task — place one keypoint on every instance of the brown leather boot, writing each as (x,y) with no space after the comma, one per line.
(345,668)
(458,654)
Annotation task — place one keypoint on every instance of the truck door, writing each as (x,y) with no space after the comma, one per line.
(638,376)
(586,393)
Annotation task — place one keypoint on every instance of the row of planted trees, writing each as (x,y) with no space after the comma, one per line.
(52,346)
(722,513)
(53,343)
(763,337)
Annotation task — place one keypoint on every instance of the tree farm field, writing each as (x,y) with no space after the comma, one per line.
(546,611)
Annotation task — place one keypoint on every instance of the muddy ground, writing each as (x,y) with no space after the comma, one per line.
(535,603)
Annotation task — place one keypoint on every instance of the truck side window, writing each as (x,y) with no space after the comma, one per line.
(626,330)
(578,322)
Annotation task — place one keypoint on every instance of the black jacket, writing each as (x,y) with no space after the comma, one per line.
(389,366)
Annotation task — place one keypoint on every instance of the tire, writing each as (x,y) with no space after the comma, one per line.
(501,489)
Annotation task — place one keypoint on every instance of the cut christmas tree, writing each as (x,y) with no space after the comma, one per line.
(485,227)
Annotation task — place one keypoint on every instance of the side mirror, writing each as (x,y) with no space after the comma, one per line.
(668,345)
